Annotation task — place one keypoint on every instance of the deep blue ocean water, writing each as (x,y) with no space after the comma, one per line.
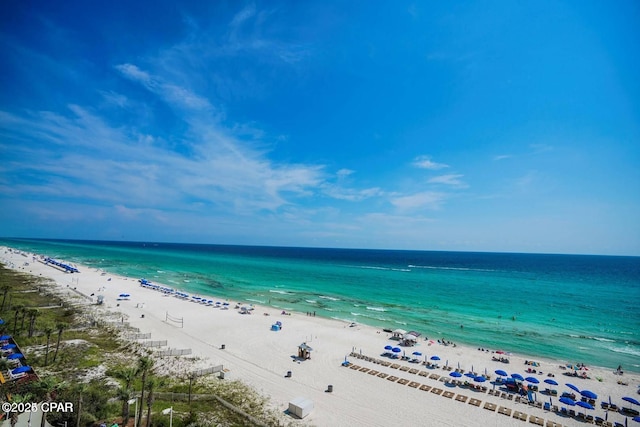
(575,308)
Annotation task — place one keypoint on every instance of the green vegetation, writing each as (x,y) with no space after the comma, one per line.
(91,366)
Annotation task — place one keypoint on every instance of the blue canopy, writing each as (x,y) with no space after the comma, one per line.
(584,404)
(396,349)
(636,419)
(15,356)
(517,377)
(550,381)
(470,375)
(435,358)
(5,337)
(631,400)
(417,353)
(20,369)
(574,388)
(501,372)
(589,394)
(568,401)
(479,379)
(455,374)
(532,380)
(388,347)
(8,346)
(124,295)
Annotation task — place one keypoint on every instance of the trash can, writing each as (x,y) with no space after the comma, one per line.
(288,374)
(222,347)
(330,388)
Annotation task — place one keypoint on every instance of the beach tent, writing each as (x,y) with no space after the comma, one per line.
(398,333)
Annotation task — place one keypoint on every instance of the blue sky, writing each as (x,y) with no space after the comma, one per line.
(471,126)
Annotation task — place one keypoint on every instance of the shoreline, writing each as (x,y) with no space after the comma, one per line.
(261,357)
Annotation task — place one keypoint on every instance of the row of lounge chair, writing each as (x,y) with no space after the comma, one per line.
(457,397)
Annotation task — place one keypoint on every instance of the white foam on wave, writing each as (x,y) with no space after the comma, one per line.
(279,292)
(399,322)
(376,309)
(329,298)
(255,300)
(435,267)
(311,301)
(625,350)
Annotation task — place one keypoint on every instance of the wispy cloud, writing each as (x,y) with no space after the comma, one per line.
(502,157)
(425,162)
(418,201)
(450,179)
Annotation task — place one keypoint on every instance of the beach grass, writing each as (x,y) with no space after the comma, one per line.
(91,355)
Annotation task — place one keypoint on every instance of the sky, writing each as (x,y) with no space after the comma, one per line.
(502,126)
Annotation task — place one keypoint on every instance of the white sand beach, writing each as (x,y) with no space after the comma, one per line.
(260,357)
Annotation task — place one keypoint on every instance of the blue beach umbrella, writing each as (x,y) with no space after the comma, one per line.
(479,379)
(636,419)
(585,405)
(517,377)
(501,373)
(455,374)
(532,380)
(589,394)
(15,356)
(20,369)
(435,358)
(388,347)
(417,353)
(631,400)
(574,388)
(1,322)
(550,381)
(8,346)
(396,349)
(470,375)
(5,337)
(568,401)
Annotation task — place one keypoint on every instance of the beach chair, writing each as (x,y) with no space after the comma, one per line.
(547,406)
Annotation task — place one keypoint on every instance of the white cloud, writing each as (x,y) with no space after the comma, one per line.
(352,195)
(418,201)
(502,157)
(342,173)
(425,162)
(450,179)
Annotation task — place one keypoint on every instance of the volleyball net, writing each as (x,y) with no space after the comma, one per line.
(174,320)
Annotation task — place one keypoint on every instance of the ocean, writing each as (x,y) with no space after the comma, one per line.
(575,308)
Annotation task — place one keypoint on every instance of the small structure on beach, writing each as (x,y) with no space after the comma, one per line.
(410,338)
(398,334)
(300,407)
(304,351)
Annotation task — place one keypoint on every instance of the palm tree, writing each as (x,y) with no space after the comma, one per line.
(128,375)
(5,290)
(152,384)
(25,310)
(60,327)
(81,388)
(18,398)
(46,387)
(18,308)
(145,364)
(48,330)
(33,313)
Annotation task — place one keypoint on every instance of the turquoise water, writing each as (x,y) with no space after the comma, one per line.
(569,307)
